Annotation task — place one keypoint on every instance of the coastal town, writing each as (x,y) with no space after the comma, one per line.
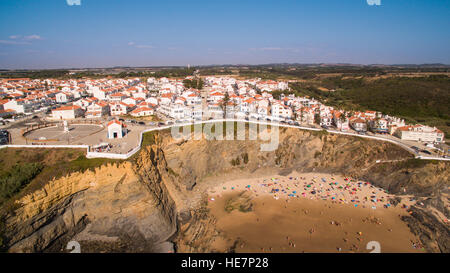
(34,111)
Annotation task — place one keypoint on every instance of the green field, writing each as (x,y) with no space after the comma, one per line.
(26,170)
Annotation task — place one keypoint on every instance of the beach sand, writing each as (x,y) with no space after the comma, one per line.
(302,218)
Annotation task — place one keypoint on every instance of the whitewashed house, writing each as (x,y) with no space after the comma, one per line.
(420,133)
(142,112)
(67,112)
(116,129)
(117,109)
(97,110)
(63,97)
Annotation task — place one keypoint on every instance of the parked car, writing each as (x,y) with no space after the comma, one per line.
(4,137)
(141,123)
(415,148)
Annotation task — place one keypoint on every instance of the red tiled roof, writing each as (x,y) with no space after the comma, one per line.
(116,122)
(65,108)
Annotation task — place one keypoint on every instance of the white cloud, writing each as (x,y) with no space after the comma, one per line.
(267,48)
(271,48)
(20,40)
(9,42)
(33,37)
(139,46)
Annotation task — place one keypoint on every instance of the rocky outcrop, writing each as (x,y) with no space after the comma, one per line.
(303,151)
(123,207)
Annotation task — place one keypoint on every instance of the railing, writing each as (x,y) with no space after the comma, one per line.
(45,146)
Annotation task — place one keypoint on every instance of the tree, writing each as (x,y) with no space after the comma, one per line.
(187,83)
(317,118)
(342,118)
(225,101)
(200,83)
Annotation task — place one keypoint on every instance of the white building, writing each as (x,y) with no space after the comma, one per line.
(97,110)
(142,112)
(116,129)
(63,97)
(420,133)
(358,124)
(281,111)
(379,126)
(18,106)
(118,109)
(67,112)
(173,110)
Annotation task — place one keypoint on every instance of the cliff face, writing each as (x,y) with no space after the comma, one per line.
(121,207)
(140,206)
(304,151)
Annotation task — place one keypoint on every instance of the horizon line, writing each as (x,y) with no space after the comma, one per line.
(217,65)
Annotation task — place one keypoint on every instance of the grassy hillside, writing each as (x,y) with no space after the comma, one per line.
(25,170)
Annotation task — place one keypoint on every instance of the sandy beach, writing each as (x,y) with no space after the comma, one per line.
(309,212)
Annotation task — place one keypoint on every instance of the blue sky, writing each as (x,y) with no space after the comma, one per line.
(104,33)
